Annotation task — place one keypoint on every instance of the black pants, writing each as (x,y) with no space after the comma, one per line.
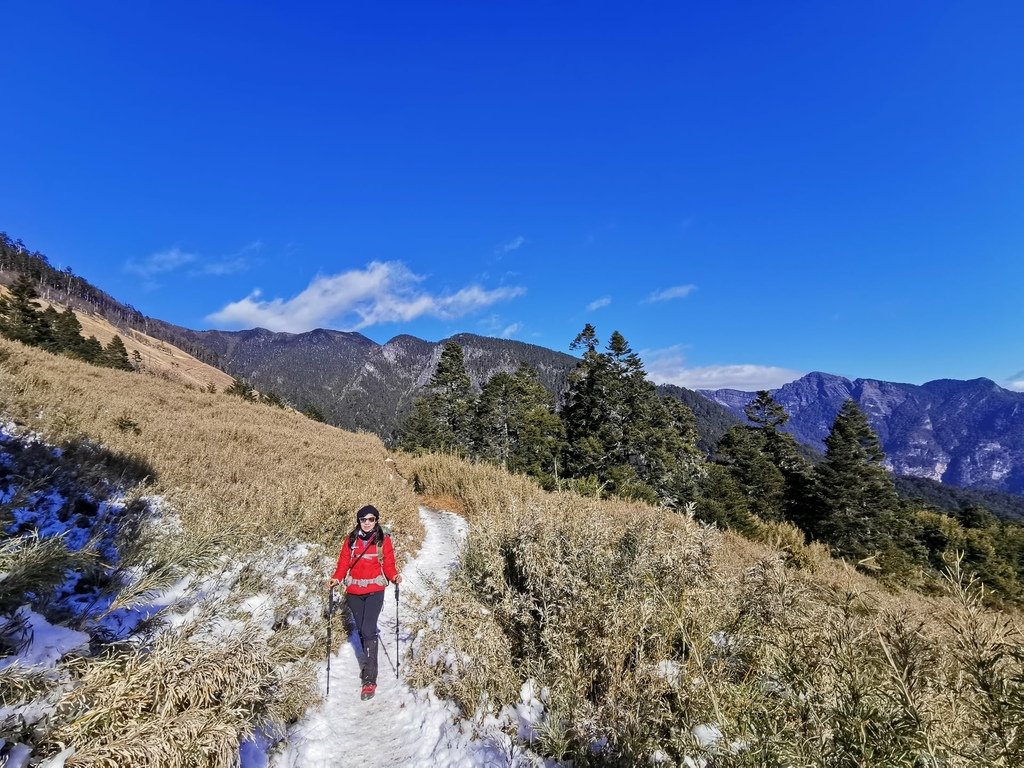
(365,610)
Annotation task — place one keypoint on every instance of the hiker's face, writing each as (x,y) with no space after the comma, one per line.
(368,522)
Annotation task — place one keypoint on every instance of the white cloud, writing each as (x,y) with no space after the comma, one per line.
(160,262)
(676,292)
(598,303)
(382,292)
(510,330)
(238,262)
(668,366)
(1016,382)
(226,267)
(514,244)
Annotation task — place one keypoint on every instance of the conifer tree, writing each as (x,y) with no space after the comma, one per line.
(67,332)
(860,512)
(765,412)
(516,425)
(587,400)
(618,429)
(46,322)
(418,430)
(92,351)
(743,452)
(797,500)
(310,411)
(20,316)
(452,400)
(241,388)
(116,355)
(442,421)
(723,503)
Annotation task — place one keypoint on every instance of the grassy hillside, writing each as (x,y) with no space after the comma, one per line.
(648,636)
(654,639)
(155,356)
(256,502)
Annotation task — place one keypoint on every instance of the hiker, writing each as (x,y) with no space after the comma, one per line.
(365,566)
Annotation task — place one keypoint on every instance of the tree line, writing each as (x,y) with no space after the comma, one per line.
(610,433)
(23,319)
(68,289)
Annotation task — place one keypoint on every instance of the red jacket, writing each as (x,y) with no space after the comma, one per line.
(366,566)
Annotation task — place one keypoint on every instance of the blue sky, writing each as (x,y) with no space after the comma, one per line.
(747,191)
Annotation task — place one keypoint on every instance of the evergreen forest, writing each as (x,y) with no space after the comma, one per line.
(22,319)
(611,434)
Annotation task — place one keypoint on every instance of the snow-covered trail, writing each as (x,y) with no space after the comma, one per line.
(399,726)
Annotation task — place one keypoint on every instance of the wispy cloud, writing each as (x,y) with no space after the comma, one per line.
(514,244)
(239,261)
(598,303)
(163,262)
(226,267)
(668,366)
(510,330)
(676,292)
(1016,382)
(159,263)
(383,292)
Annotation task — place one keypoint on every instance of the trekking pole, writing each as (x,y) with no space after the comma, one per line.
(330,614)
(398,659)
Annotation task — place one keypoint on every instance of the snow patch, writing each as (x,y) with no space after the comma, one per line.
(44,643)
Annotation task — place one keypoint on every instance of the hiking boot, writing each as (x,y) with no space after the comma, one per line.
(368,690)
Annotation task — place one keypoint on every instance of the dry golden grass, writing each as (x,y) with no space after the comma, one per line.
(249,482)
(158,357)
(253,471)
(644,628)
(642,625)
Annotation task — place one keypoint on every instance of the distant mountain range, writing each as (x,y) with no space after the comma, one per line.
(964,433)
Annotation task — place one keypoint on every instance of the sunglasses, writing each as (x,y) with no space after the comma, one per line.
(368,519)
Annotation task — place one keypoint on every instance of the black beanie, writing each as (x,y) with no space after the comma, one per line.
(369,509)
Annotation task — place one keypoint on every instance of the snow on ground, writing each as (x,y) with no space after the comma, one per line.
(400,726)
(44,644)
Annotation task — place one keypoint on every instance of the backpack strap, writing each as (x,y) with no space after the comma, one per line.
(385,533)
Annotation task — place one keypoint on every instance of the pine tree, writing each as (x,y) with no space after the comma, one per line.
(46,323)
(765,412)
(241,388)
(310,411)
(116,355)
(20,316)
(418,430)
(744,454)
(443,420)
(587,401)
(92,351)
(861,515)
(618,429)
(797,501)
(516,425)
(723,503)
(67,332)
(451,401)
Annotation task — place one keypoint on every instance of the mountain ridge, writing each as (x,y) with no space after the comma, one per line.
(360,384)
(968,433)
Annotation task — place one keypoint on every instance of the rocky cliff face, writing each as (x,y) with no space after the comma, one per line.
(965,433)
